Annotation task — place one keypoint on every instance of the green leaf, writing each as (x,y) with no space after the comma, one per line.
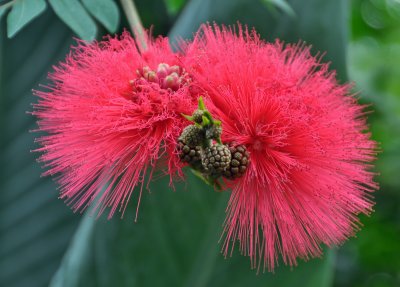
(176,238)
(201,104)
(75,16)
(189,118)
(76,259)
(105,11)
(23,12)
(3,10)
(206,121)
(35,227)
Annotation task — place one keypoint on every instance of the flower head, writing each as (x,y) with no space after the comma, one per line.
(308,177)
(109,114)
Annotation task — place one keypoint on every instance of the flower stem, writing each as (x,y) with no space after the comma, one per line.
(135,23)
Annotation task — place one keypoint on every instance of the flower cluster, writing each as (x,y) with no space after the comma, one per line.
(290,143)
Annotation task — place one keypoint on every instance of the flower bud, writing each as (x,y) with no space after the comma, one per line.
(175,69)
(172,82)
(239,163)
(198,116)
(163,70)
(152,77)
(192,136)
(216,159)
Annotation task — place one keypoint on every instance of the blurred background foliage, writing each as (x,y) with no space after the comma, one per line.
(373,259)
(175,241)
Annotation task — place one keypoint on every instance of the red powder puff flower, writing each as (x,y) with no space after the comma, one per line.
(109,114)
(310,154)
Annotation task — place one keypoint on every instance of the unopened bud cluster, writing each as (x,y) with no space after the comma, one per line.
(201,147)
(215,159)
(166,76)
(239,162)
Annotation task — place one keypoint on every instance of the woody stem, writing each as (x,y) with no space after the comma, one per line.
(135,23)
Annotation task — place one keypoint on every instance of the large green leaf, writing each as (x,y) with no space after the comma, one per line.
(323,24)
(175,240)
(77,258)
(35,227)
(75,16)
(175,243)
(105,11)
(23,11)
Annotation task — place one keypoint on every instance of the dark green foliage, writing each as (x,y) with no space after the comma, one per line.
(76,17)
(174,243)
(22,12)
(105,11)
(72,12)
(374,56)
(323,24)
(35,227)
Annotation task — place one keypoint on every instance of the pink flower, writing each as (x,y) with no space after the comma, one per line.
(310,153)
(111,117)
